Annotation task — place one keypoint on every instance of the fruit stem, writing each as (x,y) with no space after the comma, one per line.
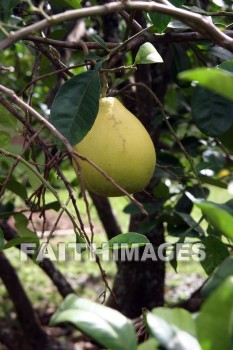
(105,84)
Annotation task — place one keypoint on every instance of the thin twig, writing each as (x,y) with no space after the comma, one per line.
(49,75)
(135,25)
(44,182)
(14,165)
(168,37)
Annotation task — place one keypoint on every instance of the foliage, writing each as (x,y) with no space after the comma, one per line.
(172,329)
(49,93)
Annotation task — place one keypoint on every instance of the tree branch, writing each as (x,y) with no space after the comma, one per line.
(195,21)
(157,38)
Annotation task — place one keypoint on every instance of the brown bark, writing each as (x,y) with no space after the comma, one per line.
(139,284)
(29,323)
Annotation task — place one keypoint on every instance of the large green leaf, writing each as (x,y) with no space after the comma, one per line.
(217,80)
(215,252)
(218,215)
(106,326)
(212,113)
(169,336)
(215,321)
(178,317)
(224,270)
(75,106)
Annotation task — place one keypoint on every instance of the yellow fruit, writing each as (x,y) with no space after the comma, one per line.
(120,145)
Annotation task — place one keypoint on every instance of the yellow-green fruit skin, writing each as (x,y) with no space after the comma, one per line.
(120,145)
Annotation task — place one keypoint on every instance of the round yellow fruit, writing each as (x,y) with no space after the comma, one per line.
(120,145)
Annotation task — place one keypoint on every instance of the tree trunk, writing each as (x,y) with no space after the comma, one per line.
(140,284)
(36,336)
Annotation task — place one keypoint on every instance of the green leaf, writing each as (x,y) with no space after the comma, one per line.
(227,65)
(52,205)
(5,138)
(224,270)
(75,106)
(106,326)
(161,21)
(212,78)
(1,239)
(211,181)
(15,187)
(100,41)
(6,7)
(190,222)
(76,4)
(178,317)
(21,223)
(184,204)
(146,54)
(212,113)
(126,240)
(151,208)
(180,62)
(92,56)
(218,216)
(81,244)
(161,190)
(215,321)
(7,120)
(150,344)
(169,336)
(227,139)
(16,241)
(215,252)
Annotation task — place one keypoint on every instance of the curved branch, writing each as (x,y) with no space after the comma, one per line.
(160,38)
(195,21)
